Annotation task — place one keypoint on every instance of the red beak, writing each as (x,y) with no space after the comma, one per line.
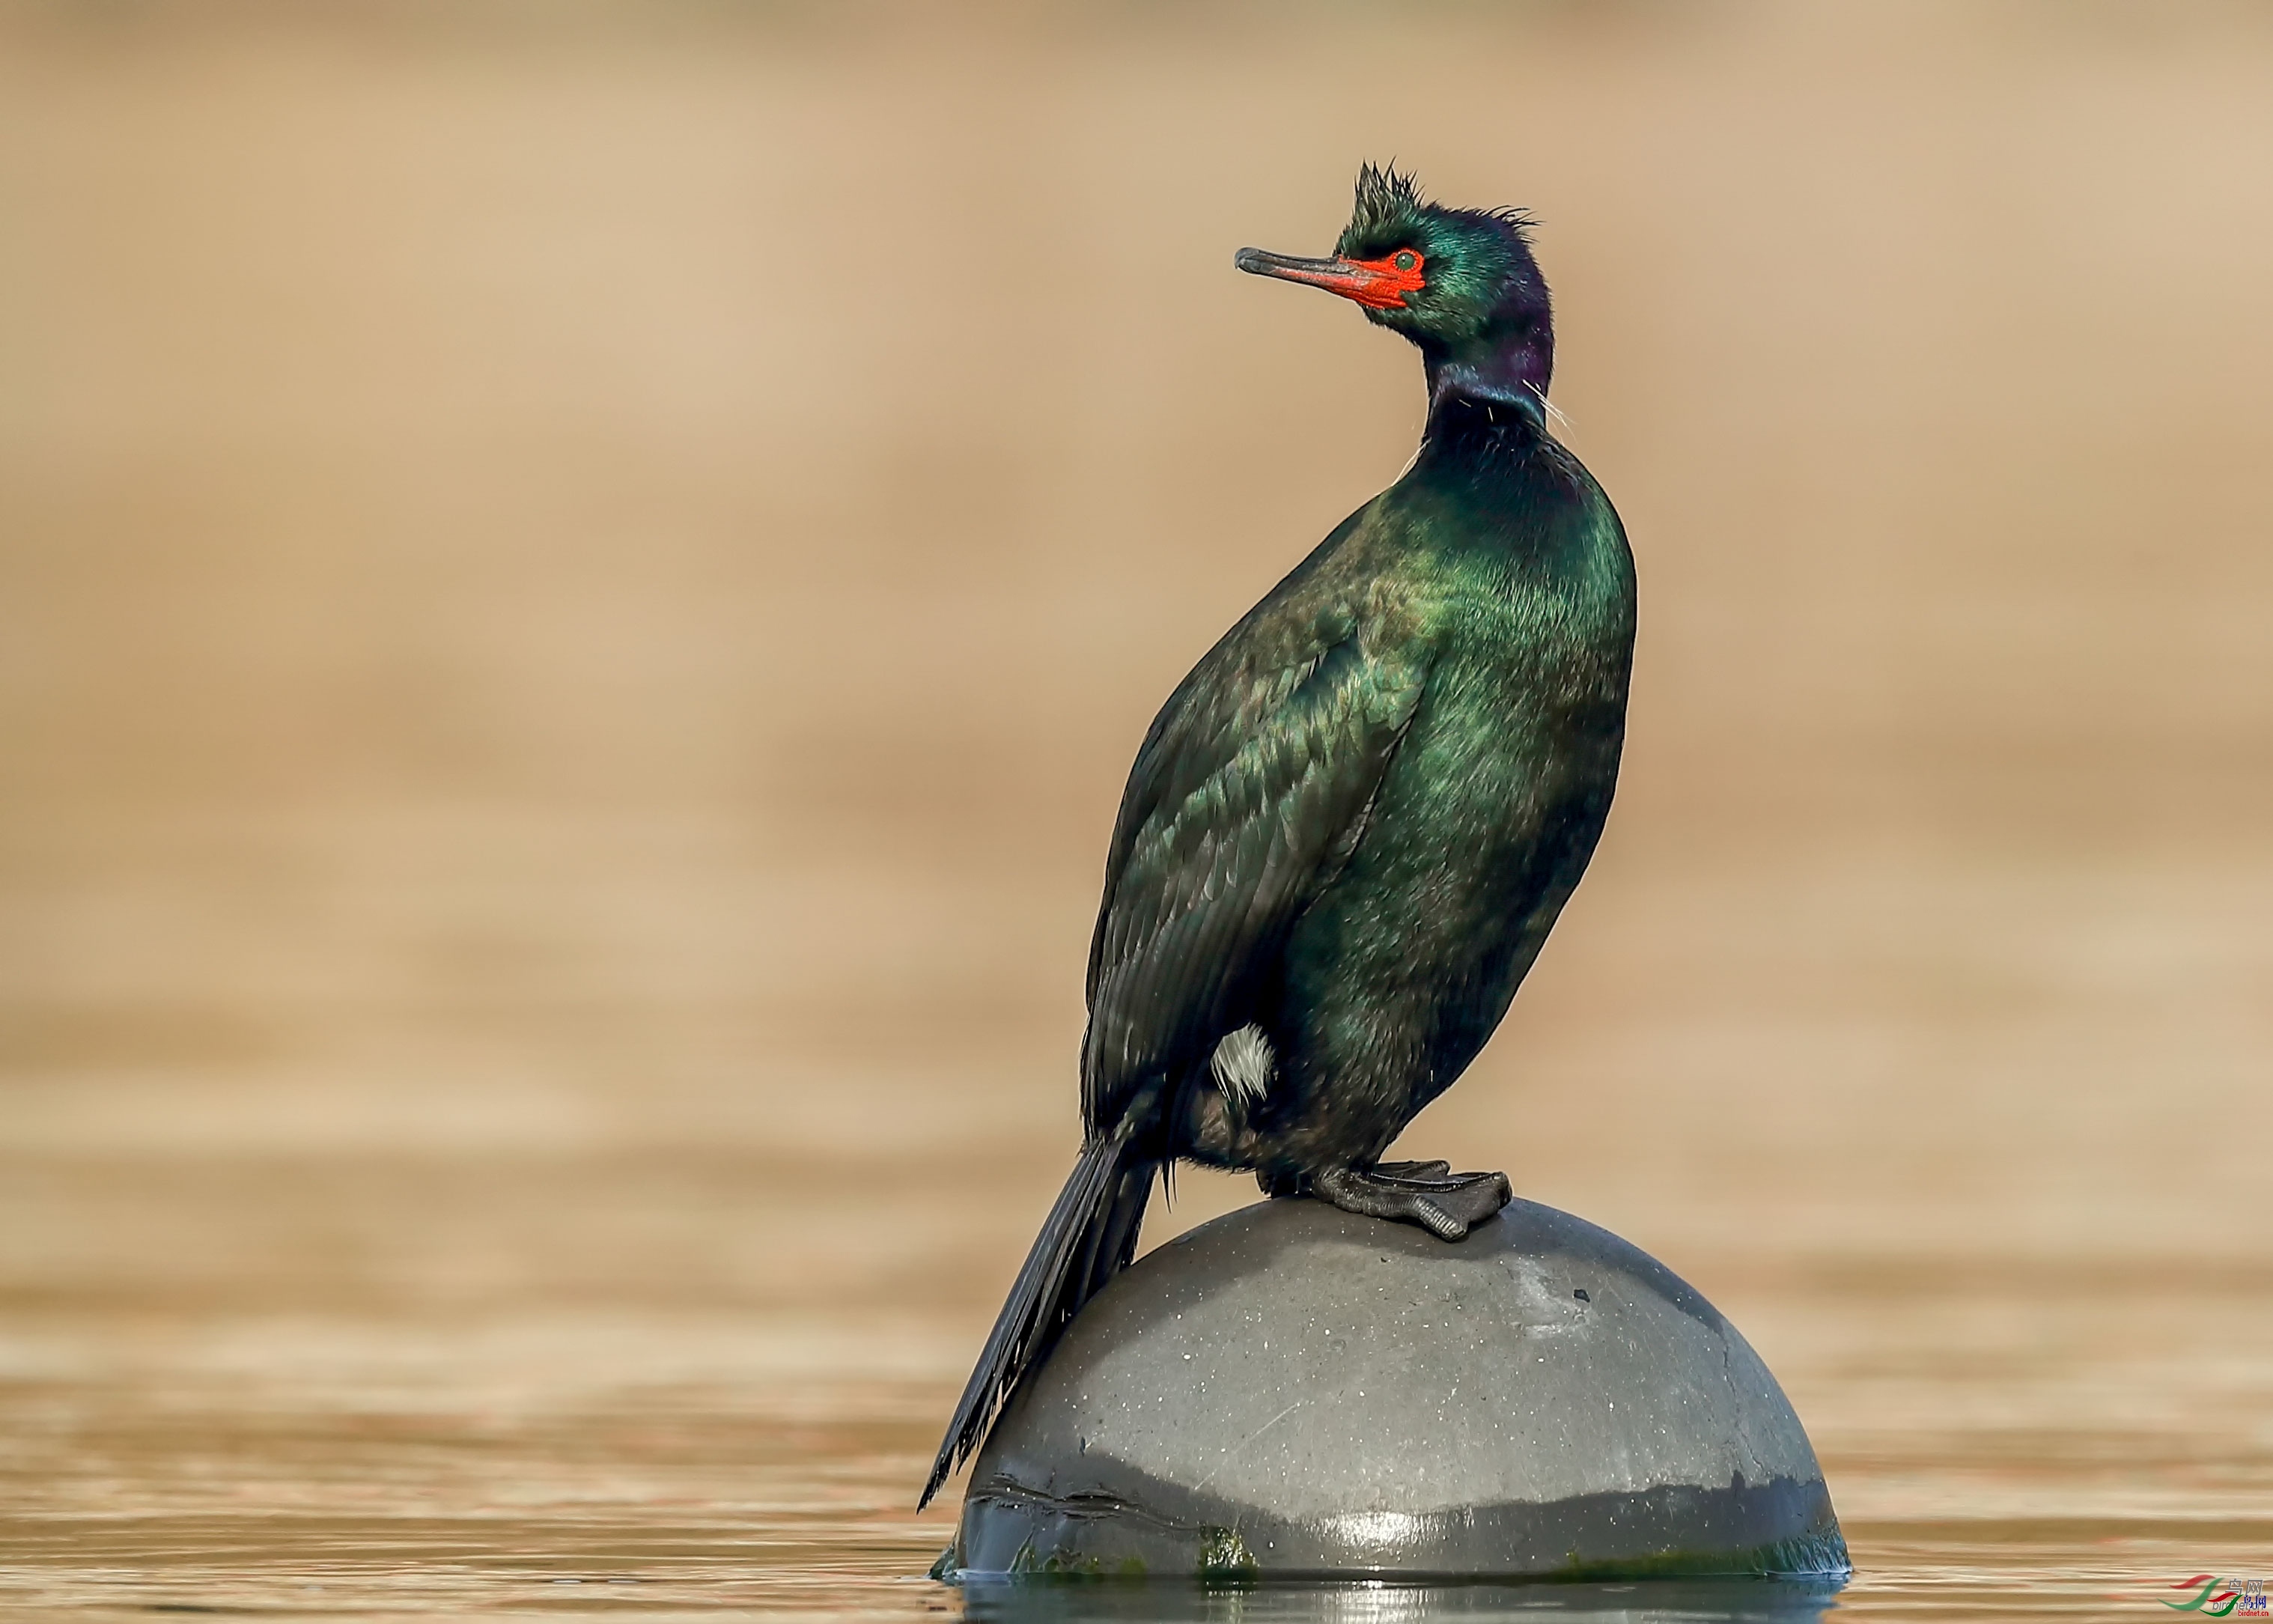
(1377,284)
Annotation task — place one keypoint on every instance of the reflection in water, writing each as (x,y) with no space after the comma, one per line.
(1708,1601)
(576,587)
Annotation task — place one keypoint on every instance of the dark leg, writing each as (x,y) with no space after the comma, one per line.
(1446,1204)
(1279,1184)
(1413,1169)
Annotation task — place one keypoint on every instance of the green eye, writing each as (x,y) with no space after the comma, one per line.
(1407,260)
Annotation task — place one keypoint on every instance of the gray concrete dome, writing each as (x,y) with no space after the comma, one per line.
(1295,1390)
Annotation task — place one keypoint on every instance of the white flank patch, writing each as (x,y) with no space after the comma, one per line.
(1243,1063)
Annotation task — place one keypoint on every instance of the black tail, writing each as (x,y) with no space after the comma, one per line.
(1089,1237)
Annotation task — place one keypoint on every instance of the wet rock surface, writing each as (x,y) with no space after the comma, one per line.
(1291,1390)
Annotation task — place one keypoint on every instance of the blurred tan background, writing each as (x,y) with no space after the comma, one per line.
(577,583)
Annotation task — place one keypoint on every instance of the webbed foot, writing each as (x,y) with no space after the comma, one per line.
(1446,1204)
(1418,1169)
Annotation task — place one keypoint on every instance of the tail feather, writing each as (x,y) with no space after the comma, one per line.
(1090,1237)
(1111,1245)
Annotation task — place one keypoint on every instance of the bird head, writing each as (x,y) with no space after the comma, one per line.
(1460,284)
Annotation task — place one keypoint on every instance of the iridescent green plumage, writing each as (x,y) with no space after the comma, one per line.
(1475,257)
(1353,824)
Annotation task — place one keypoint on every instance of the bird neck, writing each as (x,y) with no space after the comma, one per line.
(1474,437)
(1511,362)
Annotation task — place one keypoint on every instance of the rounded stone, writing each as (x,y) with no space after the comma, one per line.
(1293,1390)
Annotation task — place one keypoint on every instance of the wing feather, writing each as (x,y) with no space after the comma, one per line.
(1248,794)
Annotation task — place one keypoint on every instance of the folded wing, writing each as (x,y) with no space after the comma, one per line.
(1250,793)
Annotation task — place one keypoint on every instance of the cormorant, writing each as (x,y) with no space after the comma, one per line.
(1352,826)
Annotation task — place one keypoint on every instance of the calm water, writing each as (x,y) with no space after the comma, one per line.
(577,583)
(2004,1446)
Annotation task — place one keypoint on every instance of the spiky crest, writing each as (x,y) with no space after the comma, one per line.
(1482,315)
(1389,207)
